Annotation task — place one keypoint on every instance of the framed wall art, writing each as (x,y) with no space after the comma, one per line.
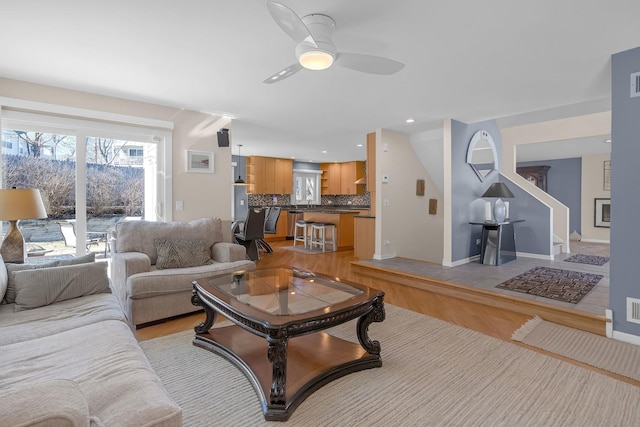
(602,213)
(607,175)
(199,161)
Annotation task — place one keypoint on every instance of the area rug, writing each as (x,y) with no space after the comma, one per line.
(596,350)
(553,283)
(303,250)
(433,374)
(588,259)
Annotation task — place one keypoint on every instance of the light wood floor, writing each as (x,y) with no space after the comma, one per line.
(488,320)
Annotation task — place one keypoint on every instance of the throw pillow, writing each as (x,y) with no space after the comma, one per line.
(12,269)
(181,253)
(44,286)
(4,279)
(10,295)
(90,257)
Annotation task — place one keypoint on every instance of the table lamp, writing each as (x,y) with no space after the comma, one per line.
(501,191)
(17,204)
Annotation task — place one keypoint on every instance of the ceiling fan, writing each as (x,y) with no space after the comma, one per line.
(315,49)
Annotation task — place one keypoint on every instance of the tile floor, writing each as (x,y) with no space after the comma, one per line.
(487,276)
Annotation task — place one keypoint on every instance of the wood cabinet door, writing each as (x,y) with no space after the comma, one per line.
(283,183)
(348,178)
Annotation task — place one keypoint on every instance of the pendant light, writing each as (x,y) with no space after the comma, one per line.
(239,181)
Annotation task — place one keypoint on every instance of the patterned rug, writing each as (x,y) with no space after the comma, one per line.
(588,259)
(553,283)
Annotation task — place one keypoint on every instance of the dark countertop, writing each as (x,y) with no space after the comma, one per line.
(322,208)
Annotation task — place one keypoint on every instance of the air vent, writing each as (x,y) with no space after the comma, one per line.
(635,85)
(633,310)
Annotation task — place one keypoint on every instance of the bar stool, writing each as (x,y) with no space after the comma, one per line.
(319,235)
(304,229)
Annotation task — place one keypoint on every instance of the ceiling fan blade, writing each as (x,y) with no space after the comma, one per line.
(283,74)
(290,23)
(369,63)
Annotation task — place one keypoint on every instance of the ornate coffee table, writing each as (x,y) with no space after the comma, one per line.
(288,308)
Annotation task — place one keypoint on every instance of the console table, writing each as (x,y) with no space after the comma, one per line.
(498,241)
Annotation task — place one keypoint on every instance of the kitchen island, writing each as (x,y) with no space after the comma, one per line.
(343,220)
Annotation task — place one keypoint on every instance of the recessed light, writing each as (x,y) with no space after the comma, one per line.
(410,120)
(360,145)
(324,151)
(608,141)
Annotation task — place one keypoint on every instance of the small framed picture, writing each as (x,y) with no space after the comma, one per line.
(199,161)
(602,213)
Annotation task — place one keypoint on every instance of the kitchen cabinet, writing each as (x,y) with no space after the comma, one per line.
(340,178)
(364,237)
(350,172)
(281,228)
(331,178)
(269,175)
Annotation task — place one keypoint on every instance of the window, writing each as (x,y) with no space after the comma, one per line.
(306,187)
(91,159)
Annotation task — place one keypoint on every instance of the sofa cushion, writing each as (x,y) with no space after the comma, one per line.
(140,236)
(25,325)
(54,402)
(10,295)
(108,365)
(182,253)
(162,282)
(44,286)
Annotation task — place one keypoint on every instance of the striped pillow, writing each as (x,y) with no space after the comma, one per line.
(44,286)
(182,253)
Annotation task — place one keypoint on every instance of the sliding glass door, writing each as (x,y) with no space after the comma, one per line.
(90,175)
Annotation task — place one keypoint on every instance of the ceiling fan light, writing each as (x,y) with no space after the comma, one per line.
(316,60)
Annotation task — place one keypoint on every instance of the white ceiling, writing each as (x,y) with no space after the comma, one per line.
(467,60)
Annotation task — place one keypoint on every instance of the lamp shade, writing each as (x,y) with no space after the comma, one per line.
(19,203)
(499,190)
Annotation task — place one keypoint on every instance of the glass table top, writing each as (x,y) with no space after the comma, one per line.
(284,291)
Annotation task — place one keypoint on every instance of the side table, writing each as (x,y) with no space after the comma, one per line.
(498,241)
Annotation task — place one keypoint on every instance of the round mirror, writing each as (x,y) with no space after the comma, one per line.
(482,155)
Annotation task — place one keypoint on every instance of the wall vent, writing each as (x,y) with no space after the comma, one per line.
(633,310)
(635,85)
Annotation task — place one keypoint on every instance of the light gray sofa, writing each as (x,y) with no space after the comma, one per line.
(152,286)
(68,356)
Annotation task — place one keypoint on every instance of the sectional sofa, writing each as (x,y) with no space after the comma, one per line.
(67,353)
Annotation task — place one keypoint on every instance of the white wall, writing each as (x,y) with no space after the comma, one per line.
(405,223)
(593,188)
(202,194)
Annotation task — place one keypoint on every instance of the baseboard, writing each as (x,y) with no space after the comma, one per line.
(625,337)
(536,256)
(596,241)
(461,261)
(386,256)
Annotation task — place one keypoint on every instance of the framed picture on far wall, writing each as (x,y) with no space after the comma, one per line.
(607,175)
(602,213)
(199,161)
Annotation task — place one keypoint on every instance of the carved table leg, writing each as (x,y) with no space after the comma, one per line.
(277,354)
(203,327)
(375,315)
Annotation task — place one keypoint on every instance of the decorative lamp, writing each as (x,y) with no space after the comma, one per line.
(500,191)
(239,181)
(17,204)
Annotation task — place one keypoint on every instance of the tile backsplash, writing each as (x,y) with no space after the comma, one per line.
(285,200)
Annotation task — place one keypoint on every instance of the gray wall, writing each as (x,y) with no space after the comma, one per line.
(564,183)
(240,191)
(533,236)
(625,197)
